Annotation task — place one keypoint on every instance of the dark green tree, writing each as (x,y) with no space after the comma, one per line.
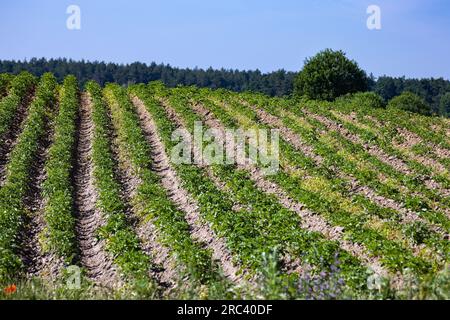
(277,83)
(386,87)
(328,75)
(445,105)
(409,101)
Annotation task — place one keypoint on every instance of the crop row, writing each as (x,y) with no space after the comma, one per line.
(5,81)
(20,88)
(425,127)
(356,161)
(250,233)
(151,201)
(326,146)
(418,155)
(16,186)
(425,155)
(320,196)
(59,233)
(419,170)
(407,189)
(121,241)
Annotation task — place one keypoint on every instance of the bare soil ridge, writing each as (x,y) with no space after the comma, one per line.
(407,216)
(310,220)
(93,257)
(184,201)
(375,151)
(37,262)
(9,139)
(163,266)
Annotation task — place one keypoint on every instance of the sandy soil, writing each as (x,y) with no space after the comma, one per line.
(200,230)
(97,262)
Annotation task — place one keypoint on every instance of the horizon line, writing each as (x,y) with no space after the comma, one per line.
(147,64)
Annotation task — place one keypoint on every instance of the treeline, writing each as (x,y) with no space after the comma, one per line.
(431,90)
(278,83)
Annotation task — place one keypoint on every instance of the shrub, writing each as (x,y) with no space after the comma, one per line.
(409,101)
(445,105)
(328,75)
(5,83)
(365,100)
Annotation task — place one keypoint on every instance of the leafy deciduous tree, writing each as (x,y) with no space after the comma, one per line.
(328,75)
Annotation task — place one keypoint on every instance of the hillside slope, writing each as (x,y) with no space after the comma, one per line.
(359,206)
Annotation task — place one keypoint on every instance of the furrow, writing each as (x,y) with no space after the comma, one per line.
(164,269)
(97,262)
(371,149)
(184,201)
(410,140)
(310,221)
(290,265)
(36,261)
(390,160)
(9,140)
(407,216)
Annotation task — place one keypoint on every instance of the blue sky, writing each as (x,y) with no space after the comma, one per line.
(249,34)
